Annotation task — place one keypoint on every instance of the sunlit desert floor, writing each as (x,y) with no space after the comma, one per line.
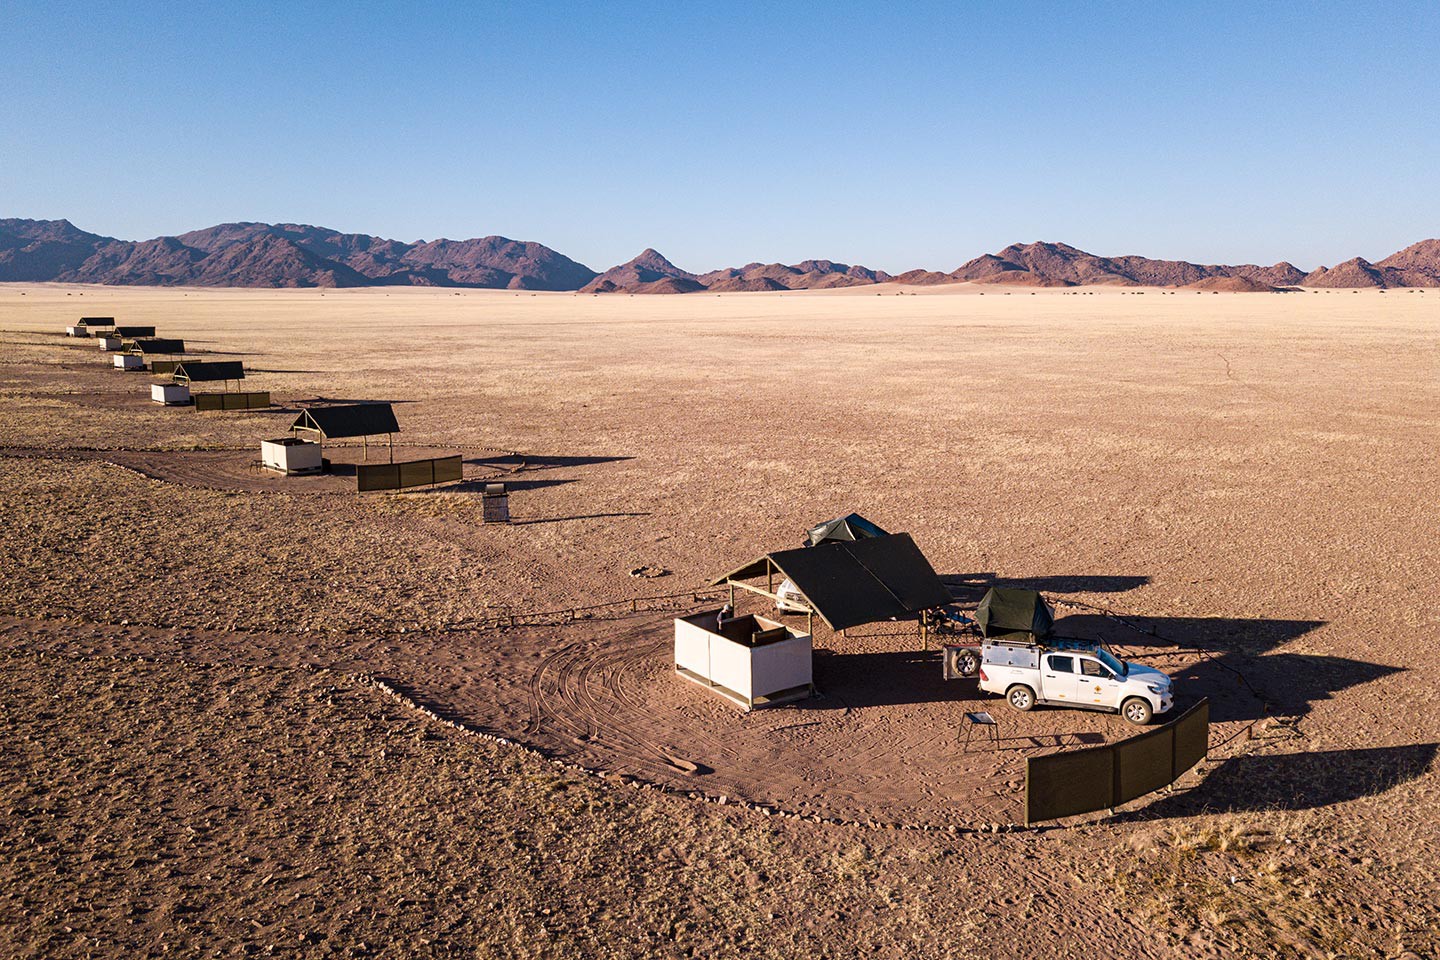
(249,713)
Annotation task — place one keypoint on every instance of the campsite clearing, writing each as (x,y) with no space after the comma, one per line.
(1220,472)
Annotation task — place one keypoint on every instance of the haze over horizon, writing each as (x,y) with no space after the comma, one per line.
(722,136)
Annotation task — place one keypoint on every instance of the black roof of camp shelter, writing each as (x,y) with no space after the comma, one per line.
(159,345)
(1006,612)
(134,331)
(852,526)
(96,322)
(209,371)
(348,420)
(850,582)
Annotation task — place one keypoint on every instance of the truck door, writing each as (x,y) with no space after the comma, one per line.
(1097,683)
(1058,678)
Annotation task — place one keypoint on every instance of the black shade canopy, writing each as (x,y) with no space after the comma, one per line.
(159,345)
(1006,613)
(348,420)
(96,322)
(852,526)
(850,582)
(134,331)
(208,371)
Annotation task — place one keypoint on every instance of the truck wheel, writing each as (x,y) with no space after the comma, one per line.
(1137,711)
(965,663)
(1021,697)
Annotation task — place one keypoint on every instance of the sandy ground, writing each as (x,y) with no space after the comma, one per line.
(1249,477)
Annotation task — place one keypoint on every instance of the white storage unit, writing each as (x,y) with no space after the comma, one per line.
(108,343)
(748,660)
(170,394)
(129,361)
(289,455)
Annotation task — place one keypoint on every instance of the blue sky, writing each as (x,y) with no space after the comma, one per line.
(916,136)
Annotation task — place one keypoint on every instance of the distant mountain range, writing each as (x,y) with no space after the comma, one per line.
(297,255)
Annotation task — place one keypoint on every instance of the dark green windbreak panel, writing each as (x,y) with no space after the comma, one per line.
(164,366)
(232,401)
(411,473)
(1192,736)
(377,476)
(448,469)
(417,473)
(1066,784)
(1142,763)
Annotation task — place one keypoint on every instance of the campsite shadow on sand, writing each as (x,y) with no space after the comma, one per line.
(1243,680)
(304,401)
(478,486)
(1289,683)
(964,584)
(1211,634)
(531,461)
(878,679)
(1295,781)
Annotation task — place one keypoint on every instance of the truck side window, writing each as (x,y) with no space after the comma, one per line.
(1092,669)
(1062,664)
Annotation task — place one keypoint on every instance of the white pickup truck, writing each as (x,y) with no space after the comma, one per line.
(1084,677)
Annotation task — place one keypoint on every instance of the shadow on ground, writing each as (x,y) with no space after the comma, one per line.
(963,585)
(536,462)
(1296,781)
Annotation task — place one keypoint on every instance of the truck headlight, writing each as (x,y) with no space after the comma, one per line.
(1158,690)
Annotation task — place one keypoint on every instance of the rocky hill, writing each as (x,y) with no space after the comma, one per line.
(650,272)
(300,255)
(278,255)
(1049,264)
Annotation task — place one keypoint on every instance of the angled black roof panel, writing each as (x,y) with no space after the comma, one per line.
(134,331)
(209,371)
(159,345)
(348,420)
(850,582)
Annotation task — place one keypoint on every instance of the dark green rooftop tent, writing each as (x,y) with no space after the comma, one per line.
(852,526)
(1006,613)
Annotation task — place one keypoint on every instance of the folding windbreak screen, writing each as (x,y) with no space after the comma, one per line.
(412,473)
(1144,763)
(1098,778)
(1069,783)
(256,400)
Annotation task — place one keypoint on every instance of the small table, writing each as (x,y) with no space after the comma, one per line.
(983,719)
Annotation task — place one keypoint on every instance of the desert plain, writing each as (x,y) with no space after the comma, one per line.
(257,715)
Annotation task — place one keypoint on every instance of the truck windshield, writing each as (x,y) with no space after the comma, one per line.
(1119,667)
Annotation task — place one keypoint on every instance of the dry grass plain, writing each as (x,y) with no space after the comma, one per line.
(200,764)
